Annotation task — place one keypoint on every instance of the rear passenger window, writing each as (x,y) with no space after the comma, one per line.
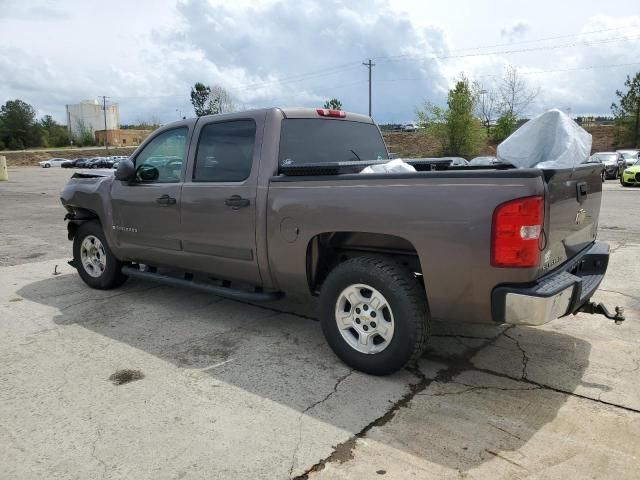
(225,151)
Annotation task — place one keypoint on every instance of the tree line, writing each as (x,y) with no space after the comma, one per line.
(20,129)
(475,113)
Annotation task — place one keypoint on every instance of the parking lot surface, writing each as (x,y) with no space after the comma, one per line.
(224,389)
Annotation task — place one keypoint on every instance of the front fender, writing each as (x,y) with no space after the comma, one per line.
(87,197)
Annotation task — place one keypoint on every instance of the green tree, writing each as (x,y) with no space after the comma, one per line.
(455,127)
(627,112)
(85,136)
(200,98)
(333,104)
(210,100)
(54,134)
(505,125)
(18,128)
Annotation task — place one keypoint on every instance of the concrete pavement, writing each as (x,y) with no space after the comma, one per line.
(231,390)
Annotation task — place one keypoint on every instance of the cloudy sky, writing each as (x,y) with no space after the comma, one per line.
(145,54)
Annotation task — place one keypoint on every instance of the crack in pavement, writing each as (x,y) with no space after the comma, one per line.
(294,457)
(525,358)
(94,445)
(344,451)
(633,297)
(474,388)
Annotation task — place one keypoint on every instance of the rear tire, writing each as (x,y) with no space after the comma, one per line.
(395,315)
(96,264)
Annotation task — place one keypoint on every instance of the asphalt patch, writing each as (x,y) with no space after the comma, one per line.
(125,376)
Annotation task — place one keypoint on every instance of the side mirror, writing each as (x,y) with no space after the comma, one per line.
(126,170)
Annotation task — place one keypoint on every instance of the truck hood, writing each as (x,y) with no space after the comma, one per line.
(95,174)
(87,190)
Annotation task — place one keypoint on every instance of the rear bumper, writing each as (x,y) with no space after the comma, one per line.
(555,295)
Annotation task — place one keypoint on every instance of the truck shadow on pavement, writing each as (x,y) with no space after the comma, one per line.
(284,358)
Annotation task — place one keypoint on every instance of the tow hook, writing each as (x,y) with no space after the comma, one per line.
(600,309)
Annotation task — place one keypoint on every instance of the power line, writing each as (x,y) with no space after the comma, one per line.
(544,39)
(502,52)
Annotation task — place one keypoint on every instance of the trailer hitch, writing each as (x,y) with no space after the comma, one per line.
(600,309)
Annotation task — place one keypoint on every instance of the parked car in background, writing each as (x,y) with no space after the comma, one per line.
(409,127)
(484,161)
(610,162)
(457,161)
(72,163)
(52,162)
(631,175)
(626,158)
(83,162)
(101,162)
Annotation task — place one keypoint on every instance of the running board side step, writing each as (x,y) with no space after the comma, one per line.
(234,294)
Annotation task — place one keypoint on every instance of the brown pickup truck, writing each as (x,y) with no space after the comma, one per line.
(259,204)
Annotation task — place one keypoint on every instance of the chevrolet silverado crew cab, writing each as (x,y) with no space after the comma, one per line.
(261,204)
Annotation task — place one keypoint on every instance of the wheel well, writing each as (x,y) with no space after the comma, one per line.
(76,217)
(327,250)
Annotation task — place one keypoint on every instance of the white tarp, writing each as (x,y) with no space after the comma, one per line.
(394,166)
(550,140)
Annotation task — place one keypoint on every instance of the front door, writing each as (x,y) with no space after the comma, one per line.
(146,211)
(218,205)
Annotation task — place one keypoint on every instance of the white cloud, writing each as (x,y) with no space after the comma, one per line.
(515,30)
(147,54)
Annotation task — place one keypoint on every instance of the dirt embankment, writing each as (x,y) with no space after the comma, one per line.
(404,144)
(418,144)
(32,158)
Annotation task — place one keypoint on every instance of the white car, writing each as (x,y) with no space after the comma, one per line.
(52,162)
(409,127)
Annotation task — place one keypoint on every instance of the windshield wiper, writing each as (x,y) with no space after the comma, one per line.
(357,156)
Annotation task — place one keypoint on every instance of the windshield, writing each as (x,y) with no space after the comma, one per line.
(629,155)
(606,157)
(310,140)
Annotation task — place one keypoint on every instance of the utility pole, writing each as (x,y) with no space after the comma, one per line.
(104,109)
(369,65)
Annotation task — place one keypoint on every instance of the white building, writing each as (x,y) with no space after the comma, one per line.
(88,116)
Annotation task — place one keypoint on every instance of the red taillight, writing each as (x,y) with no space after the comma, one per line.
(515,233)
(326,112)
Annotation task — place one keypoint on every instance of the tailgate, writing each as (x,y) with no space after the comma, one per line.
(572,209)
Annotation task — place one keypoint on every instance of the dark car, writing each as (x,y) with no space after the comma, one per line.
(75,163)
(83,162)
(609,160)
(100,162)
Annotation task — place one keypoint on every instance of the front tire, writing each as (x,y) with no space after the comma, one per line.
(96,264)
(374,314)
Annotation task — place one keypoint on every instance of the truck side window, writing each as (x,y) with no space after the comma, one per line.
(225,151)
(161,160)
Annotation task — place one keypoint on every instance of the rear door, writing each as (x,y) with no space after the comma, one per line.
(218,214)
(572,212)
